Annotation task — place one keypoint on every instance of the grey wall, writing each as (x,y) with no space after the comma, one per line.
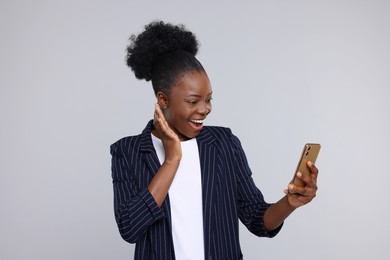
(283,73)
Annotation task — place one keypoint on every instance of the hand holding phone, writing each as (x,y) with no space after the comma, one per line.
(309,153)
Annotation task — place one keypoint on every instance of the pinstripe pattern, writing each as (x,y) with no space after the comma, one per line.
(228,193)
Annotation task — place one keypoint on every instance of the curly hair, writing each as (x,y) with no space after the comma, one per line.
(162,53)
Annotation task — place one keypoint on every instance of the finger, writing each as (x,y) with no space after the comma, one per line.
(296,200)
(165,128)
(307,179)
(156,114)
(160,116)
(312,167)
(299,196)
(310,188)
(301,191)
(162,125)
(313,170)
(293,189)
(158,119)
(157,111)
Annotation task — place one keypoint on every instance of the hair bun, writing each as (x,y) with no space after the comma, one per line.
(159,38)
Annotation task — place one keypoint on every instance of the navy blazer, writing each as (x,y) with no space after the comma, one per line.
(228,194)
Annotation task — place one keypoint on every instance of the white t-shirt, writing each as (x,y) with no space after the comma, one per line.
(185,196)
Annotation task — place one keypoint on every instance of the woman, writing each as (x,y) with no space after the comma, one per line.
(180,187)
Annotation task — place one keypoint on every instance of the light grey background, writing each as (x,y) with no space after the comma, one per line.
(283,73)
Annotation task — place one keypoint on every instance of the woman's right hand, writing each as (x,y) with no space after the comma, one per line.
(169,138)
(163,178)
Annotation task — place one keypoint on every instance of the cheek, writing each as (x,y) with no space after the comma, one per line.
(179,114)
(174,118)
(168,116)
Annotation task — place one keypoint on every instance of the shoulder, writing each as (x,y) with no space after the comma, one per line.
(133,143)
(125,144)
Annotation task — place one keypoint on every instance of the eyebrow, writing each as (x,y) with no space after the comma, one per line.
(197,95)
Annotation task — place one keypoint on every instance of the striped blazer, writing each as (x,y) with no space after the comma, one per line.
(228,194)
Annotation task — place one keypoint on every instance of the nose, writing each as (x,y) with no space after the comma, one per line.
(205,109)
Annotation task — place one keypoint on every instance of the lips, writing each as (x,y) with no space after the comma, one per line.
(197,121)
(196,124)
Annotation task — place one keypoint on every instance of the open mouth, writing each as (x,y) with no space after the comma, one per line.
(197,124)
(197,121)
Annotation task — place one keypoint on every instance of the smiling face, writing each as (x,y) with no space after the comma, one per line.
(188,104)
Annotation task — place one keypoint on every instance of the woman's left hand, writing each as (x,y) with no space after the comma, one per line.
(299,196)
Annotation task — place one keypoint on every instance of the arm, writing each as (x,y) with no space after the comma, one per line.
(295,197)
(251,203)
(161,182)
(137,209)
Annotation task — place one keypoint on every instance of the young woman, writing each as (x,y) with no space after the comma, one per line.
(179,186)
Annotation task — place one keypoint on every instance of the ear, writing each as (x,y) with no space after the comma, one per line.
(162,99)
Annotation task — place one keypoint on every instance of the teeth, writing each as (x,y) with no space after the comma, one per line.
(197,121)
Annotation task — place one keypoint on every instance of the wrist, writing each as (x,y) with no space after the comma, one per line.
(173,161)
(289,204)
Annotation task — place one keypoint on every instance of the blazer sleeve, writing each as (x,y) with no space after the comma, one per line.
(135,209)
(251,203)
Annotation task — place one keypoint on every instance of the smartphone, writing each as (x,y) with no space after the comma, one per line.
(309,153)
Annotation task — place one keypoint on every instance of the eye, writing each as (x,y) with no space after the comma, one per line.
(209,100)
(192,102)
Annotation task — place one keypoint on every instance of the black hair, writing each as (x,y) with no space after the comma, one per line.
(163,53)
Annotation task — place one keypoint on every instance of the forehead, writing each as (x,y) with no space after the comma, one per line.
(192,82)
